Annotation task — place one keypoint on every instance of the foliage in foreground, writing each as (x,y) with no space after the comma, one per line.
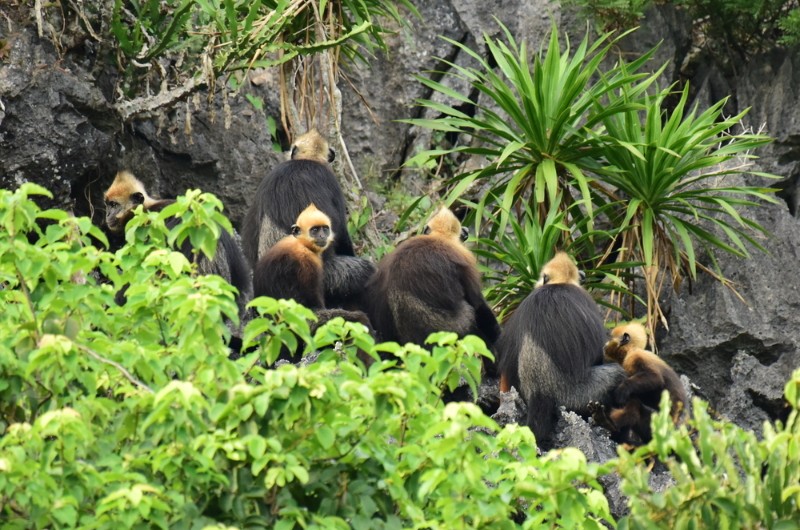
(135,417)
(722,476)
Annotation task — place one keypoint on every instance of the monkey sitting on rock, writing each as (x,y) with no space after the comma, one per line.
(551,349)
(293,268)
(639,395)
(286,191)
(429,283)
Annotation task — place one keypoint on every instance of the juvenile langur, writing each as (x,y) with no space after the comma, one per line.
(429,283)
(293,267)
(288,189)
(127,192)
(639,395)
(551,349)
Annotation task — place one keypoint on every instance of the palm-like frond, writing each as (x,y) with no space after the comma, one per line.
(522,251)
(532,121)
(669,169)
(591,160)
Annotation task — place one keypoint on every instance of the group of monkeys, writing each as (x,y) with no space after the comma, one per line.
(553,348)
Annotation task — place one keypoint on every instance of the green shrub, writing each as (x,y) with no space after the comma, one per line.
(724,476)
(216,37)
(566,138)
(612,14)
(737,29)
(790,26)
(134,416)
(730,29)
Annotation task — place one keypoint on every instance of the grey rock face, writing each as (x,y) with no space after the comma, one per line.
(58,129)
(54,126)
(771,85)
(574,431)
(380,146)
(227,152)
(741,354)
(594,442)
(511,409)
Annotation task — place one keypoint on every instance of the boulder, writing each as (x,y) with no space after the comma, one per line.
(56,128)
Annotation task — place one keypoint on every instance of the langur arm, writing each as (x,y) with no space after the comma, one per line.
(639,383)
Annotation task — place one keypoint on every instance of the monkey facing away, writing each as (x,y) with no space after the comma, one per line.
(551,349)
(639,395)
(429,283)
(127,192)
(287,190)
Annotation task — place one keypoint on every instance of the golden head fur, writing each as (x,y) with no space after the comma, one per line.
(646,371)
(312,146)
(122,197)
(624,339)
(443,223)
(559,270)
(445,226)
(125,183)
(313,229)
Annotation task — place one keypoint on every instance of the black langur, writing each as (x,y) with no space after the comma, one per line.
(639,395)
(429,283)
(293,268)
(345,280)
(551,349)
(288,189)
(127,192)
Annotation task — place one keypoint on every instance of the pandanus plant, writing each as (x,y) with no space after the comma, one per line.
(583,156)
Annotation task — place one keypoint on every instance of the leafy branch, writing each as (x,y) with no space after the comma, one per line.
(121,369)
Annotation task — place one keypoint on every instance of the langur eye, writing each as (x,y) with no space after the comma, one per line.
(112,204)
(625,338)
(137,198)
(295,230)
